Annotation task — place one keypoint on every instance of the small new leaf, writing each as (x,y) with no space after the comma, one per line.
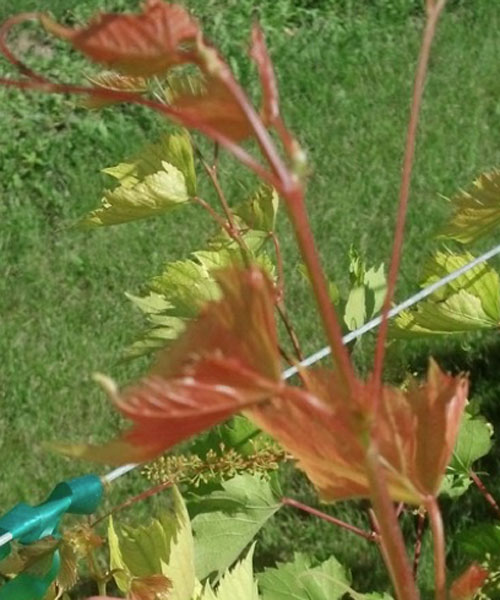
(477,212)
(145,44)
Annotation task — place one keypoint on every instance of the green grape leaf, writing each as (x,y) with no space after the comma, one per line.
(239,434)
(469,303)
(300,580)
(368,288)
(180,567)
(473,442)
(121,573)
(161,178)
(355,308)
(239,582)
(260,210)
(226,520)
(480,541)
(477,212)
(454,485)
(163,547)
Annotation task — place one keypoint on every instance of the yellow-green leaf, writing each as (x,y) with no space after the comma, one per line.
(121,573)
(469,303)
(477,212)
(237,584)
(259,211)
(156,181)
(162,547)
(180,566)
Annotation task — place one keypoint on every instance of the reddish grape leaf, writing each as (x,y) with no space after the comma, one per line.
(270,98)
(215,107)
(225,361)
(326,436)
(145,44)
(469,583)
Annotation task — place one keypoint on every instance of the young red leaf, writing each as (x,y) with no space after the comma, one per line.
(153,587)
(225,361)
(146,44)
(270,99)
(329,437)
(213,107)
(469,583)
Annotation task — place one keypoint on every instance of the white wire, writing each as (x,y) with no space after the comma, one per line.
(353,335)
(112,475)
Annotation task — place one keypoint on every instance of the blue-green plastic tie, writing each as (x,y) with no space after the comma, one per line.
(28,524)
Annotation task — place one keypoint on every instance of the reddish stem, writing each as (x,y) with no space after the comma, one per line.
(484,491)
(418,542)
(436,522)
(211,171)
(142,496)
(404,193)
(367,535)
(392,542)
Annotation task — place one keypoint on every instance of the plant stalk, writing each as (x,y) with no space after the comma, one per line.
(371,536)
(433,15)
(393,545)
(437,528)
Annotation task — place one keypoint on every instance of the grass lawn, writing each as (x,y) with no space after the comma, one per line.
(345,80)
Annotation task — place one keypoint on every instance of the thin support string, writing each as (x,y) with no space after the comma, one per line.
(354,335)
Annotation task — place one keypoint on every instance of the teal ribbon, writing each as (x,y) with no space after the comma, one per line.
(31,523)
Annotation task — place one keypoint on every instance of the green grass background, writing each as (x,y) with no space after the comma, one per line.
(345,70)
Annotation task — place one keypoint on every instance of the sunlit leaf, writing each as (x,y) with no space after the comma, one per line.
(417,431)
(477,212)
(228,519)
(367,293)
(469,303)
(180,567)
(157,181)
(144,44)
(156,557)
